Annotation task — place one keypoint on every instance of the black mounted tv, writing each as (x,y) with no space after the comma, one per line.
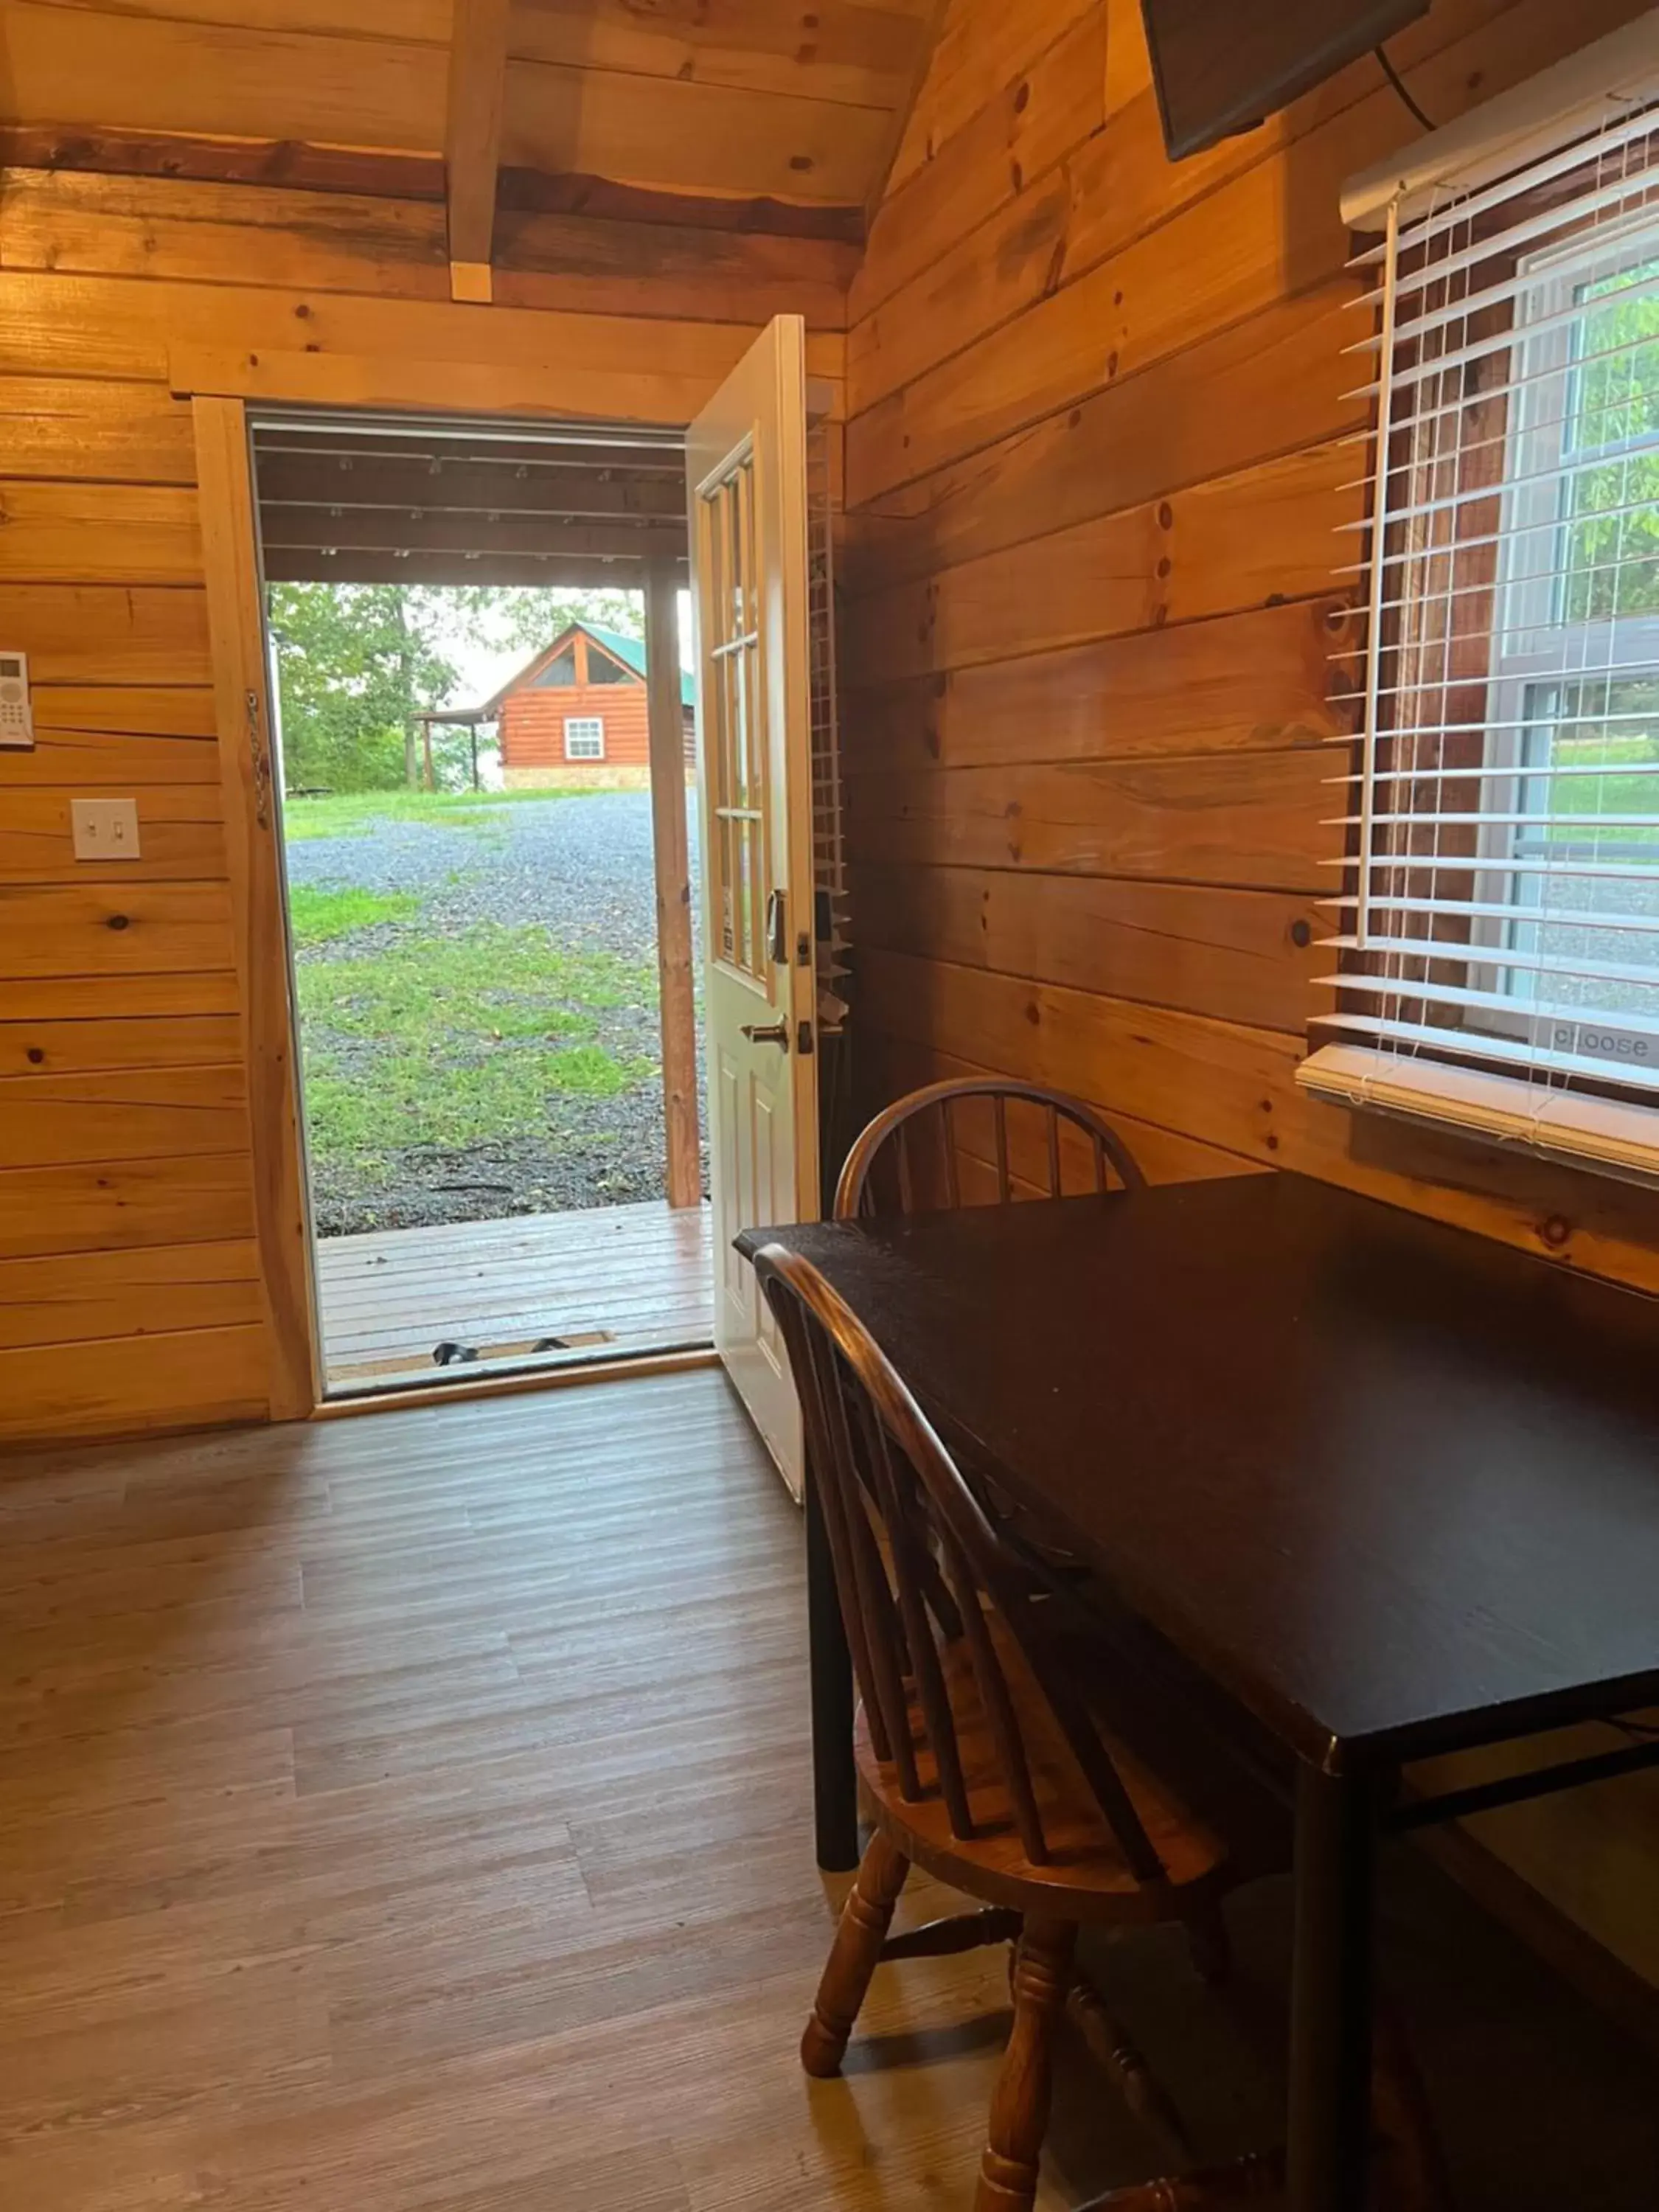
(1225,65)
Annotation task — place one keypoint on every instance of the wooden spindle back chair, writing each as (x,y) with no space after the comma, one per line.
(979,1757)
(982,1758)
(909,1158)
(938,1607)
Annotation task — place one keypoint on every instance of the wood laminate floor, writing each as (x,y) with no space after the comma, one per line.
(409,1813)
(605,1280)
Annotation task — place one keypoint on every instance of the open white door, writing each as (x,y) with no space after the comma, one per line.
(747,474)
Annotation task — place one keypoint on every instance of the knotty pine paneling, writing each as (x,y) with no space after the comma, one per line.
(203,232)
(1247,820)
(1239,956)
(1098,444)
(1145,692)
(130,1277)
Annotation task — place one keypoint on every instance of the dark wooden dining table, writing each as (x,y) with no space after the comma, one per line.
(1393,1488)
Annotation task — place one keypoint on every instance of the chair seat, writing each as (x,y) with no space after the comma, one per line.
(1087,1876)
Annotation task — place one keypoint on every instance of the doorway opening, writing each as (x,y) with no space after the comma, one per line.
(485,755)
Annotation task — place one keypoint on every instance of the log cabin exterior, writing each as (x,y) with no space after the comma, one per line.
(1093,437)
(576,712)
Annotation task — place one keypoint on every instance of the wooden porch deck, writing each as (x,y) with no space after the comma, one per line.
(604,1281)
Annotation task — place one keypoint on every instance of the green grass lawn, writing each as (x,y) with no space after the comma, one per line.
(349,813)
(316,915)
(452,1041)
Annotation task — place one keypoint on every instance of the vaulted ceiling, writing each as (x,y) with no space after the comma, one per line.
(796,102)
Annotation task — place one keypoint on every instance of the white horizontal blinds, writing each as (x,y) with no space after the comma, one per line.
(1501,898)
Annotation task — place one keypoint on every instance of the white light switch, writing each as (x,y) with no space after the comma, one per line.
(104,828)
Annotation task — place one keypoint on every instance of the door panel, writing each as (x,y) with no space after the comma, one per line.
(746,471)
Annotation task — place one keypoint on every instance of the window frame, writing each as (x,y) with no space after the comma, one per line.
(1528,607)
(577,726)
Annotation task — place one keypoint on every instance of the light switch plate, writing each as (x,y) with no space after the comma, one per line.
(104,828)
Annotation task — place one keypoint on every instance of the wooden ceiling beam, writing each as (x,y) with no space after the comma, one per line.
(472,141)
(469,486)
(304,565)
(395,530)
(184,157)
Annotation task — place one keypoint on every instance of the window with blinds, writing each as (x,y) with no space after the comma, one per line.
(1499,925)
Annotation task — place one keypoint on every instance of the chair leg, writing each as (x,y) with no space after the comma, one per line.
(1019,2103)
(853,1955)
(1113,2047)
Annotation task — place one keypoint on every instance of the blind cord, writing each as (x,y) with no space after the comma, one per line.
(1401,86)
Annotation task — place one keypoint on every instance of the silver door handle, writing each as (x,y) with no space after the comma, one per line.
(766,1033)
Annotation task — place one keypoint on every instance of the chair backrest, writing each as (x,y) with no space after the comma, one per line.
(928,1581)
(908,1157)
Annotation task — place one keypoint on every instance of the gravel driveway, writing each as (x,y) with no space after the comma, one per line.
(582,867)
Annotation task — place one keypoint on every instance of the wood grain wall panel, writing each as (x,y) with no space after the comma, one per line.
(76,1044)
(112,758)
(181,835)
(1242,819)
(73,429)
(1149,692)
(99,533)
(95,1205)
(1031,122)
(1075,283)
(206,233)
(88,634)
(1288,379)
(1218,1081)
(106,326)
(983,46)
(114,929)
(1096,445)
(122,710)
(123,1385)
(124,1126)
(136,1113)
(56,999)
(1270,533)
(87,1297)
(1239,956)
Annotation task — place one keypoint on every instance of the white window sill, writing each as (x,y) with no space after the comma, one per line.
(1605,1135)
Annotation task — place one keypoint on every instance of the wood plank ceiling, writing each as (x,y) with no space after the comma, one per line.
(764,114)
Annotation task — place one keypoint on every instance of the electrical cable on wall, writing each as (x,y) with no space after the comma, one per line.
(1401,86)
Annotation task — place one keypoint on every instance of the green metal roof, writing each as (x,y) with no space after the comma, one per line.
(631,652)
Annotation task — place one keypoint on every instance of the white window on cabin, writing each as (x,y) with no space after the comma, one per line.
(1499,934)
(584,737)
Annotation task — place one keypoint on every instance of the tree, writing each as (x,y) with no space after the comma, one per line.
(355,663)
(510,614)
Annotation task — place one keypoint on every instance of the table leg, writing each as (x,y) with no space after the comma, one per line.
(834,1783)
(1330,2121)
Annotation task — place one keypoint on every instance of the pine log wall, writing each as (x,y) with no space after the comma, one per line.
(131,1291)
(1097,454)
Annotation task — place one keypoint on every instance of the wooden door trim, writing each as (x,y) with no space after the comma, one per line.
(247,769)
(669,847)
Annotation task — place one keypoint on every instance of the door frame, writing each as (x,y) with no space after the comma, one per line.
(258,900)
(221,390)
